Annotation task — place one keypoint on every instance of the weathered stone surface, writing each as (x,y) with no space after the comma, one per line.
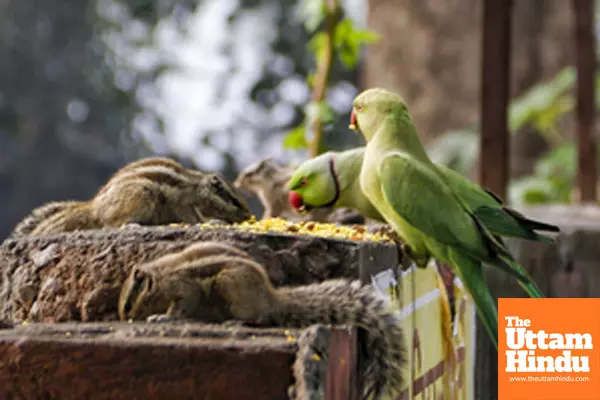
(78,276)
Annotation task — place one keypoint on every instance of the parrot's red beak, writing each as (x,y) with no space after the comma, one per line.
(353,121)
(295,200)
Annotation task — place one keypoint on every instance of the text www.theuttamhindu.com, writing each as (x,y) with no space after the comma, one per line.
(567,378)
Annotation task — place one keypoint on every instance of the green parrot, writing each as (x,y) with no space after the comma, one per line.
(331,179)
(402,182)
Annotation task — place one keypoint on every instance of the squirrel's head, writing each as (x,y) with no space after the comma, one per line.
(232,207)
(261,175)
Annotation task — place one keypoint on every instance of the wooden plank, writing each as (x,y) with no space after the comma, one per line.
(495,91)
(183,360)
(140,361)
(342,378)
(585,44)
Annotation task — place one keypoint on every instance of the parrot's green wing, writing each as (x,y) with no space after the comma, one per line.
(530,223)
(419,196)
(423,200)
(501,222)
(490,210)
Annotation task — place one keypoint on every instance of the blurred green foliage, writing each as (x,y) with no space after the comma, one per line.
(347,42)
(543,107)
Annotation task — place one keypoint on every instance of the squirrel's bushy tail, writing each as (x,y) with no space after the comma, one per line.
(39,214)
(339,302)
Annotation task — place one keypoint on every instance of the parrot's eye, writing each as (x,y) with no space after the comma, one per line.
(359,107)
(304,182)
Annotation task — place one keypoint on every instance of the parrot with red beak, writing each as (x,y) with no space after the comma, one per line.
(426,208)
(331,180)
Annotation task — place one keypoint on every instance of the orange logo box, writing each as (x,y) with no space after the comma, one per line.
(548,349)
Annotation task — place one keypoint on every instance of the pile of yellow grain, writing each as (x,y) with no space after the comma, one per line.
(280,225)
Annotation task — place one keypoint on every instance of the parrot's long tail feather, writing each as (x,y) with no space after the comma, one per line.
(532,223)
(532,290)
(542,238)
(471,274)
(507,265)
(530,287)
(507,222)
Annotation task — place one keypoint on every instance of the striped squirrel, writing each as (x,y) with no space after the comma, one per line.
(214,282)
(151,191)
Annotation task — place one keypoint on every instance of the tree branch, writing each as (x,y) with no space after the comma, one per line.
(324,66)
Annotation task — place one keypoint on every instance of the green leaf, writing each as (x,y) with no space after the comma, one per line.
(343,32)
(544,104)
(349,56)
(347,42)
(560,162)
(346,32)
(364,36)
(295,138)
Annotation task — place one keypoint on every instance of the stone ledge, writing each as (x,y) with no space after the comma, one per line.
(77,276)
